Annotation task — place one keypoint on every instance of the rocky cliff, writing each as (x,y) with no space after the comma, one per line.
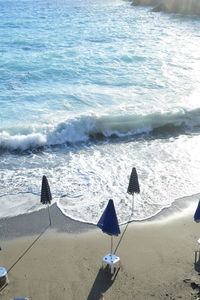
(171,6)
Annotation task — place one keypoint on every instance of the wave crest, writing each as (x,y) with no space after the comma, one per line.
(83,128)
(21,142)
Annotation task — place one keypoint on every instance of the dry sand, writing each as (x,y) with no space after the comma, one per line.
(64,263)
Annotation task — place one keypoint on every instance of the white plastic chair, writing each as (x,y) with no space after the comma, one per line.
(19,299)
(111,259)
(3,277)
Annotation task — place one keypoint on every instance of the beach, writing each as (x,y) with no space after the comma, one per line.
(65,261)
(84,104)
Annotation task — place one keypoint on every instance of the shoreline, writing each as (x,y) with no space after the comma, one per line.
(32,223)
(25,225)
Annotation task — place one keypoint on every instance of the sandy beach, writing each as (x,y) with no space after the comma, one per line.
(65,261)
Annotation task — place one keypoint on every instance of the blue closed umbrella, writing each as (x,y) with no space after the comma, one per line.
(197,213)
(108,222)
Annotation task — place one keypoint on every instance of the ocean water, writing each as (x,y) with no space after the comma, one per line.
(88,90)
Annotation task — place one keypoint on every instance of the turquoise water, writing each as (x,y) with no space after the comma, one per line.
(89,89)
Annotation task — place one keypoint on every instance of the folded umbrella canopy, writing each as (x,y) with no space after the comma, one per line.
(133,186)
(46,194)
(197,219)
(197,213)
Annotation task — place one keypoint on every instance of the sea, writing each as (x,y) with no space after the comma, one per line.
(90,89)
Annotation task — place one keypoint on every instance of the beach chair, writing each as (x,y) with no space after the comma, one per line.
(111,260)
(198,246)
(3,277)
(19,299)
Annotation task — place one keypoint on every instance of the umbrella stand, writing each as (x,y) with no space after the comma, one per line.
(108,223)
(49,215)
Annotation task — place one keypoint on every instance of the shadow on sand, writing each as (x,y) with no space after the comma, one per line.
(102,283)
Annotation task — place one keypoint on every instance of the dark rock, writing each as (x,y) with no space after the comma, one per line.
(146,2)
(159,7)
(194,285)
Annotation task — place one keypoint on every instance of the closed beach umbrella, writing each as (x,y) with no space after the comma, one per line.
(197,213)
(46,194)
(108,222)
(133,186)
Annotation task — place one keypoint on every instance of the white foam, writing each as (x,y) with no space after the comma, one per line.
(21,142)
(86,179)
(80,129)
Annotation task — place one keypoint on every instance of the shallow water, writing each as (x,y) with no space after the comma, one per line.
(89,89)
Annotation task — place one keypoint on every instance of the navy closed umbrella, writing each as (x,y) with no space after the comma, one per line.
(108,222)
(197,219)
(46,194)
(133,187)
(197,213)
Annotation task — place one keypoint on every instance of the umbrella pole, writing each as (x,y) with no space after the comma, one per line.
(132,204)
(111,245)
(49,215)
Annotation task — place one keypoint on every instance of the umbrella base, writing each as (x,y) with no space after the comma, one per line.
(111,259)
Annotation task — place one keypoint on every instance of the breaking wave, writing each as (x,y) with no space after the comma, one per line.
(84,128)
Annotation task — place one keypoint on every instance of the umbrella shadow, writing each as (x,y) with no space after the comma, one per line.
(102,283)
(121,237)
(197,260)
(28,249)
